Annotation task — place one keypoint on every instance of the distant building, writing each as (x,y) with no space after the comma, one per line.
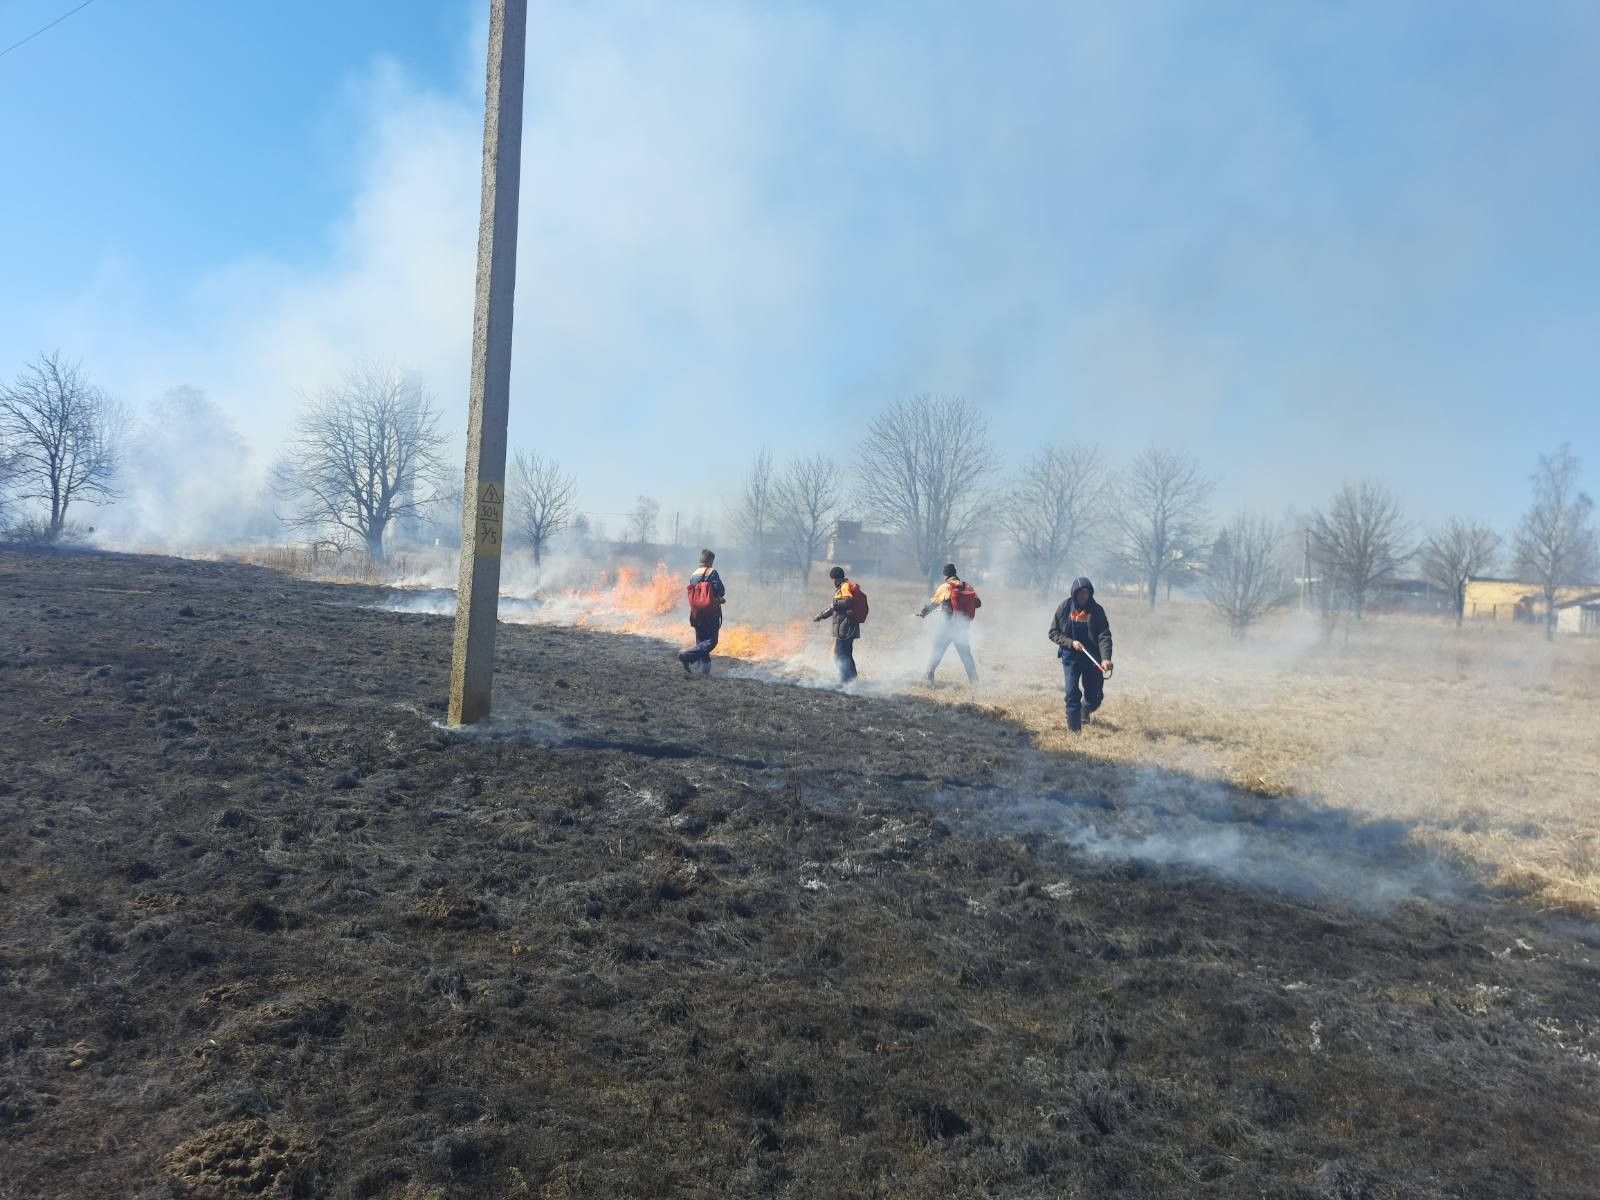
(1409,596)
(870,551)
(1518,600)
(877,552)
(1417,596)
(1581,615)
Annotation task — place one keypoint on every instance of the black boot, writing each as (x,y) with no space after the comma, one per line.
(1074,722)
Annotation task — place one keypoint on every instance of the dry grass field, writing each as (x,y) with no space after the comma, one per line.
(1484,740)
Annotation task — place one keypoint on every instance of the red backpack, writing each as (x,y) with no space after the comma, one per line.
(702,599)
(858,603)
(964,600)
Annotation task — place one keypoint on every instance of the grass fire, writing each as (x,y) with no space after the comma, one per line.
(799,601)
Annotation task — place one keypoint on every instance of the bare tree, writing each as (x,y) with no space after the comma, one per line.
(1358,541)
(64,437)
(1453,554)
(363,453)
(1555,543)
(1160,516)
(541,499)
(8,473)
(925,467)
(752,515)
(590,533)
(1245,579)
(642,520)
(805,504)
(1055,505)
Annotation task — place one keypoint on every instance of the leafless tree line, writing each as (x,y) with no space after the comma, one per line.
(1246,579)
(751,514)
(366,454)
(1054,510)
(1555,544)
(926,468)
(542,500)
(783,516)
(642,520)
(1453,554)
(1359,540)
(929,472)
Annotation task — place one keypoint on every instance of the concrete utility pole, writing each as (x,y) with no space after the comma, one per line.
(484,492)
(1305,578)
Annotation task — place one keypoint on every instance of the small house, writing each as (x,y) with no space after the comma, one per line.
(1580,615)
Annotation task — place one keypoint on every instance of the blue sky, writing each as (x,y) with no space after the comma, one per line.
(1308,242)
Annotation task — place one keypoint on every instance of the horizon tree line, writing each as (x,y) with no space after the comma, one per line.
(366,455)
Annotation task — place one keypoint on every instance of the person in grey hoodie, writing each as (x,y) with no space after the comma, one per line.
(1082,635)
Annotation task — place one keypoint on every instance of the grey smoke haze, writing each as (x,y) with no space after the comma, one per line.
(188,480)
(1167,818)
(1305,243)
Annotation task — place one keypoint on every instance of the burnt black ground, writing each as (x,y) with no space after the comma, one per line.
(265,929)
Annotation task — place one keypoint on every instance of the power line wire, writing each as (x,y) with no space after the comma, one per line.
(46,29)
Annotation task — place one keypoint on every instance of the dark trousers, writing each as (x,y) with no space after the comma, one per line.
(954,634)
(844,657)
(705,641)
(1080,670)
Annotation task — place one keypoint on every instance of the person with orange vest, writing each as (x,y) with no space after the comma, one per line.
(848,610)
(957,603)
(706,598)
(1082,635)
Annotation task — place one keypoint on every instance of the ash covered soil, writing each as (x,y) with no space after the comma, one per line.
(266,929)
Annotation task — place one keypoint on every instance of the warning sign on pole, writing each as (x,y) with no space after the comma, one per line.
(491,518)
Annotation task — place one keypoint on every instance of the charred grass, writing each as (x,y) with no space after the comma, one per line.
(265,929)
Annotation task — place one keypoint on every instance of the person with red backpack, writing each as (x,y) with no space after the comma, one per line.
(706,598)
(848,611)
(957,603)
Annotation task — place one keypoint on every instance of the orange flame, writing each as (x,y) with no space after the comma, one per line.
(740,641)
(629,603)
(627,594)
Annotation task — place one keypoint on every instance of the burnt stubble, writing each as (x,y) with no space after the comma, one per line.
(266,929)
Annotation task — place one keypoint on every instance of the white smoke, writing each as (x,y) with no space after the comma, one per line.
(1173,819)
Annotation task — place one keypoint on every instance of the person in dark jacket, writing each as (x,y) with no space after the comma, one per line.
(846,629)
(955,603)
(1082,635)
(707,622)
